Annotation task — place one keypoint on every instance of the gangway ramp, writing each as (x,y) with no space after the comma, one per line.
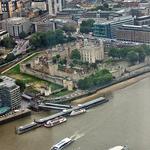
(50,107)
(58,105)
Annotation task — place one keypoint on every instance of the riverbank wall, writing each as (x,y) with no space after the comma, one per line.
(94,90)
(15,116)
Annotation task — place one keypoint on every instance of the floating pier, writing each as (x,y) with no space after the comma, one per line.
(66,112)
(58,105)
(49,106)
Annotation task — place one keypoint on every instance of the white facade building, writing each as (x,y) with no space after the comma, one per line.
(92,52)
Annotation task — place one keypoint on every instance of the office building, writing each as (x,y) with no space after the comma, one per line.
(143,20)
(108,29)
(134,33)
(16,25)
(44,26)
(9,93)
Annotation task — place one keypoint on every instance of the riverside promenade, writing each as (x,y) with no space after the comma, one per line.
(14,116)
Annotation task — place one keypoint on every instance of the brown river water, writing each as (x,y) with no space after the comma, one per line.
(125,119)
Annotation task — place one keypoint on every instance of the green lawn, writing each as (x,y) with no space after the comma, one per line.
(28,79)
(14,70)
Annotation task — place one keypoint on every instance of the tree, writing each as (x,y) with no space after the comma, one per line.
(146,49)
(10,57)
(142,55)
(35,40)
(75,54)
(58,56)
(86,26)
(48,39)
(63,61)
(114,53)
(123,52)
(51,38)
(69,28)
(132,56)
(100,78)
(59,36)
(8,42)
(2,61)
(21,84)
(106,6)
(22,35)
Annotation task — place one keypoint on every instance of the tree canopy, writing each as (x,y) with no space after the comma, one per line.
(21,84)
(132,57)
(10,57)
(104,7)
(140,53)
(22,35)
(69,28)
(86,26)
(100,78)
(8,42)
(75,54)
(48,39)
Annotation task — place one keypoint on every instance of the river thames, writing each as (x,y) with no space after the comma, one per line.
(125,119)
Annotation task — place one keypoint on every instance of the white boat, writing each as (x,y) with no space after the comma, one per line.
(63,143)
(55,122)
(125,147)
(77,112)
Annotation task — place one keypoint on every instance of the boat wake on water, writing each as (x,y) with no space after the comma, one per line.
(77,136)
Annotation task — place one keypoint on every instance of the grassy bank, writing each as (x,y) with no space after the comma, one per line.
(32,81)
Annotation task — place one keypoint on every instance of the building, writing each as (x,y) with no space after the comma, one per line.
(10,8)
(44,26)
(92,52)
(140,11)
(54,6)
(16,25)
(3,34)
(143,20)
(9,93)
(40,4)
(134,33)
(131,3)
(60,23)
(108,29)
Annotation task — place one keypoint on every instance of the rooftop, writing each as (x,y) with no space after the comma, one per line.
(2,32)
(7,82)
(114,20)
(16,20)
(135,27)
